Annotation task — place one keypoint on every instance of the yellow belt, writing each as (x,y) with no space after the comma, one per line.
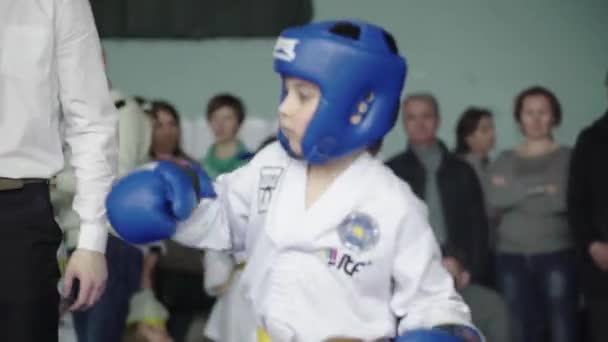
(263,337)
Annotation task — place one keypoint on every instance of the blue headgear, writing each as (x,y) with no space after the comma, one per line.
(360,75)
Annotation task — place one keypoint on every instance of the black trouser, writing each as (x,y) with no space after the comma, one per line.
(29,239)
(597,318)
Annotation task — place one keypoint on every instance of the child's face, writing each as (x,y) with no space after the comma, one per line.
(224,123)
(297,109)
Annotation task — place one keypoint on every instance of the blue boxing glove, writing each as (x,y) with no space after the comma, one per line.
(428,335)
(447,333)
(146,205)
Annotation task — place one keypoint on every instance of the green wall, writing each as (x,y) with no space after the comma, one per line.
(467,52)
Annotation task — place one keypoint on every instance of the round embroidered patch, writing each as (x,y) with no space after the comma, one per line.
(359,232)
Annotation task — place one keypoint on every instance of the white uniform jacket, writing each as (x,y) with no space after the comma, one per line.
(362,262)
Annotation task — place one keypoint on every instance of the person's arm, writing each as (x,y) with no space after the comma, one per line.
(91,126)
(479,226)
(424,296)
(505,190)
(90,117)
(580,208)
(552,199)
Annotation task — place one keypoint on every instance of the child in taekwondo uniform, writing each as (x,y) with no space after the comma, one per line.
(337,247)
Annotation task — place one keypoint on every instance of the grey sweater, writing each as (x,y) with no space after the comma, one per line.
(533,220)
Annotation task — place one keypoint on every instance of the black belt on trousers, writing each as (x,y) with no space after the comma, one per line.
(19,183)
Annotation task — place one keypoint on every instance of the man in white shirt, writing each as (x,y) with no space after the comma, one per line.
(50,72)
(105,321)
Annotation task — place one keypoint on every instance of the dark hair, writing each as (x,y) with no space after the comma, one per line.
(556,107)
(226,100)
(425,97)
(467,125)
(158,106)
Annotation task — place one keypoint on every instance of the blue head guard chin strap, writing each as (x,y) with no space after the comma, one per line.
(360,75)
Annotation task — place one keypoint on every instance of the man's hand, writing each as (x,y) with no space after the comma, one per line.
(90,269)
(599,254)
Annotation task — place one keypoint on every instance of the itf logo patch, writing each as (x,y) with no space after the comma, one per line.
(285,49)
(343,261)
(359,232)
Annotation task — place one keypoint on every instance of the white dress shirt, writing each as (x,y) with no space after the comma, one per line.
(51,73)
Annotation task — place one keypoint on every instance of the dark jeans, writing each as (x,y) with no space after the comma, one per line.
(106,321)
(542,295)
(29,239)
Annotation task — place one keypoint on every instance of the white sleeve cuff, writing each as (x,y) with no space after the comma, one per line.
(93,237)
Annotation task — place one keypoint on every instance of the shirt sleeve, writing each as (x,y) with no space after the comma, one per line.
(90,117)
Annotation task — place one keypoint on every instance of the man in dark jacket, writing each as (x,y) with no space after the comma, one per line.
(448,185)
(588,214)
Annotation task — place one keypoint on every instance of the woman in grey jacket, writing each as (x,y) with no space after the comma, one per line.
(535,260)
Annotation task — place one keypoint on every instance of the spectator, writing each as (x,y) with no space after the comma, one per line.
(475,139)
(447,184)
(536,263)
(588,214)
(179,273)
(225,114)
